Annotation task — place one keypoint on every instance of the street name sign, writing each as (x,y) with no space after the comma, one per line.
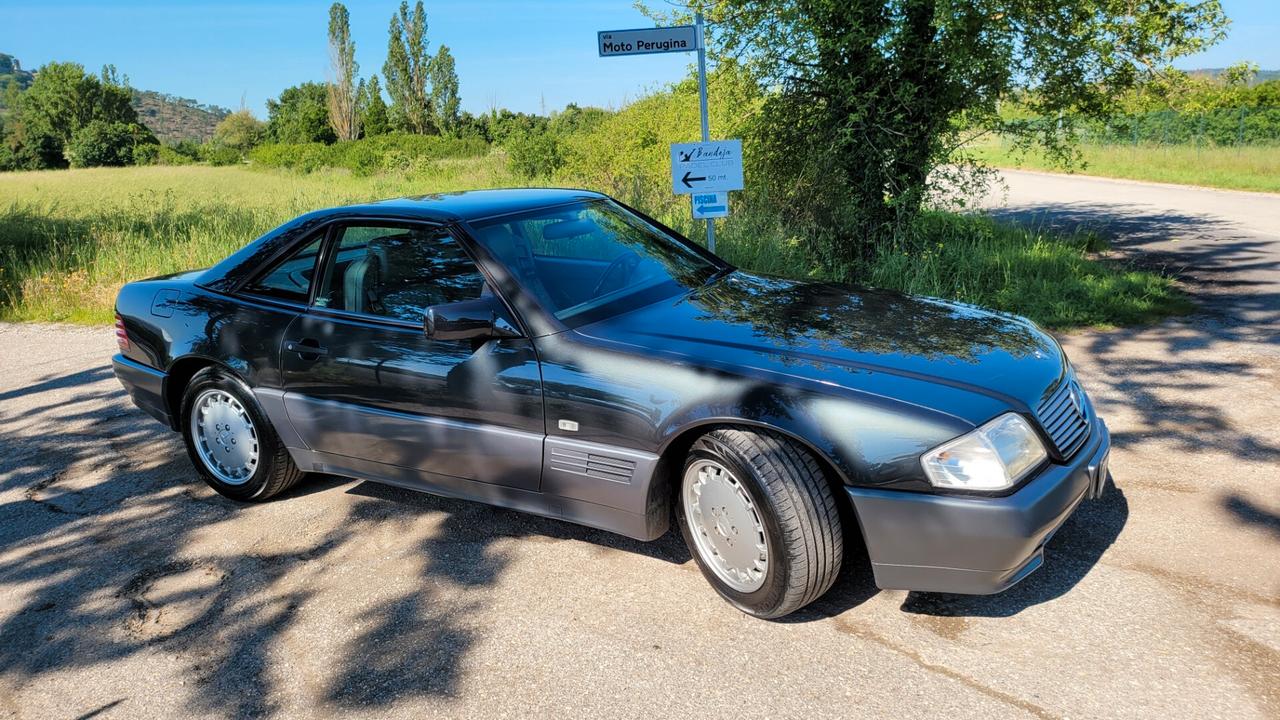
(714,166)
(710,205)
(647,41)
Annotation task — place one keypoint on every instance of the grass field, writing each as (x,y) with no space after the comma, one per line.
(1246,168)
(69,239)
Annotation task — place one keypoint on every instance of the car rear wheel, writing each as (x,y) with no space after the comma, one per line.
(760,520)
(230,440)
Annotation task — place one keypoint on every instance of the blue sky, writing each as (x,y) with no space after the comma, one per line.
(521,54)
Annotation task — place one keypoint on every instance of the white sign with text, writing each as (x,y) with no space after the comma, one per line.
(714,166)
(680,38)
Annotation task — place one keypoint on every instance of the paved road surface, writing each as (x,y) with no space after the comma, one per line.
(1227,243)
(129,590)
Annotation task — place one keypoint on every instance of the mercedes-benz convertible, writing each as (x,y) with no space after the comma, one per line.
(559,353)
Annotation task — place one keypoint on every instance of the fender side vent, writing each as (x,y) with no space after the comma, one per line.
(604,467)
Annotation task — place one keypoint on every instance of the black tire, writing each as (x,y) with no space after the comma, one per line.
(275,471)
(796,507)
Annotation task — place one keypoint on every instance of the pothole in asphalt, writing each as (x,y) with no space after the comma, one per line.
(171,598)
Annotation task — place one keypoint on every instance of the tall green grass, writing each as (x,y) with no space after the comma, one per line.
(1057,280)
(1254,167)
(70,239)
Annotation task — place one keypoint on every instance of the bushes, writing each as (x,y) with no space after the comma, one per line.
(173,156)
(146,154)
(153,154)
(1050,278)
(218,155)
(239,131)
(393,151)
(627,154)
(101,143)
(535,153)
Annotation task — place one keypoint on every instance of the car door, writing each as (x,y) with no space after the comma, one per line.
(363,382)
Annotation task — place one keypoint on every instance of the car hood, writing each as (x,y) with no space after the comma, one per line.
(886,343)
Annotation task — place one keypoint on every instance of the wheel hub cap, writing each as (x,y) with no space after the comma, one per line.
(725,526)
(225,438)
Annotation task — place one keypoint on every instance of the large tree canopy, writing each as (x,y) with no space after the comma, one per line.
(300,115)
(407,69)
(871,97)
(444,92)
(344,93)
(62,100)
(373,109)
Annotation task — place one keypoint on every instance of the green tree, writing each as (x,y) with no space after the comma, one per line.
(1240,75)
(373,109)
(871,98)
(300,115)
(240,131)
(61,100)
(407,69)
(444,92)
(101,142)
(343,94)
(534,153)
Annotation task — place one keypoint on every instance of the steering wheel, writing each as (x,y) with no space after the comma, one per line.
(627,260)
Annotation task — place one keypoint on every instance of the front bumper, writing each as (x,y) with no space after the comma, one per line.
(145,386)
(975,545)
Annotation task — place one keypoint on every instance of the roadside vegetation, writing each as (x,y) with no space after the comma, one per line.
(1219,129)
(1255,167)
(853,140)
(69,239)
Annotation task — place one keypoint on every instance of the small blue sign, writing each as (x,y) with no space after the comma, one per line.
(710,205)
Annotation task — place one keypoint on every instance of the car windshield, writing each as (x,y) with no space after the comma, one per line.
(592,258)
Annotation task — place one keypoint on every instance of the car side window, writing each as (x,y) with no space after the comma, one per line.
(290,278)
(398,272)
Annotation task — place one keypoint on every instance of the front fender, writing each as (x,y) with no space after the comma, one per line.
(869,441)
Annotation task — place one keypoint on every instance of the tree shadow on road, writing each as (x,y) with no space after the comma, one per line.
(414,644)
(1247,512)
(122,552)
(1230,269)
(105,526)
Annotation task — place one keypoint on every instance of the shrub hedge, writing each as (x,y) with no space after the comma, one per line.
(395,151)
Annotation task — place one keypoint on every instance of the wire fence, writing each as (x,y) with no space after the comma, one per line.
(1225,127)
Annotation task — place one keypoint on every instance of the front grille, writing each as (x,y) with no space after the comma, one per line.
(1062,415)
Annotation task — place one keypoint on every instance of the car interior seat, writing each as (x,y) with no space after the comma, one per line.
(362,283)
(516,253)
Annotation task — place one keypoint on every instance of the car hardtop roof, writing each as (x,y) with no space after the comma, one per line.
(474,204)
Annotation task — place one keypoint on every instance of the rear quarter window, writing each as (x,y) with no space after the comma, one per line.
(290,278)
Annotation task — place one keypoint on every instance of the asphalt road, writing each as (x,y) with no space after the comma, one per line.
(130,590)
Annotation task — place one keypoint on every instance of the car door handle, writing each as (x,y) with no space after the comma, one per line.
(305,347)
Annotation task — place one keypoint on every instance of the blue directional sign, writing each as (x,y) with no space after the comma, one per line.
(707,205)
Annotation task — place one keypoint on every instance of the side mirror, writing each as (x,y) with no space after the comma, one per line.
(480,319)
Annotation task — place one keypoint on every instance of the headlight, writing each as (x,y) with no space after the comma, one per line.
(993,457)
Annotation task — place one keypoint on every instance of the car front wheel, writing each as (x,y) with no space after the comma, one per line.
(760,520)
(230,440)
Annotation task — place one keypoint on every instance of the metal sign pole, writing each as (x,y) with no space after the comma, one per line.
(702,102)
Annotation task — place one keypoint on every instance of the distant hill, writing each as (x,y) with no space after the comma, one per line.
(1262,76)
(11,73)
(174,118)
(171,118)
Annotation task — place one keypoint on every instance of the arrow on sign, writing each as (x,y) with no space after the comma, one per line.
(688,181)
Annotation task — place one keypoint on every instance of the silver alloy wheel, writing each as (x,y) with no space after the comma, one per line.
(725,526)
(224,436)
